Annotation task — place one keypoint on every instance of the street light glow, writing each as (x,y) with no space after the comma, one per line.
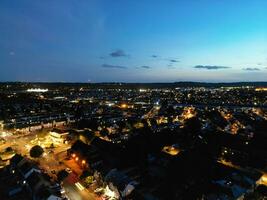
(123,105)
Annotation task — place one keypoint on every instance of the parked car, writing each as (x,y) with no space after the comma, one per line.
(68,170)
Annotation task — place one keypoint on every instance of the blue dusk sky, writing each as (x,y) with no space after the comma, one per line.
(133,40)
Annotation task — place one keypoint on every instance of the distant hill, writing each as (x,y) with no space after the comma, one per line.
(51,85)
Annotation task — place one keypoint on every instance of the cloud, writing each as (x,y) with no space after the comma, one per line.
(174,61)
(113,66)
(145,67)
(211,67)
(251,69)
(170,66)
(11,53)
(154,56)
(118,53)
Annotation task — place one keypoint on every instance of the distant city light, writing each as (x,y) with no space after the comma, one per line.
(124,105)
(261,89)
(37,90)
(142,90)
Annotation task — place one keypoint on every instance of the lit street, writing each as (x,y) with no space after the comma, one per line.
(74,190)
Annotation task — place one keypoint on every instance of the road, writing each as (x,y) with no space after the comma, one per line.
(74,192)
(262,180)
(152,112)
(22,143)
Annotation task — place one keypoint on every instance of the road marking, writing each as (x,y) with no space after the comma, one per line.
(79,186)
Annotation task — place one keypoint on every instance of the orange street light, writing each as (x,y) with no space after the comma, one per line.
(123,105)
(73,155)
(76,158)
(83,162)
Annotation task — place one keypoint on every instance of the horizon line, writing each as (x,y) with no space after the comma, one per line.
(118,82)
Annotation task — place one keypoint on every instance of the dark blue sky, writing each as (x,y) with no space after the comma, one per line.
(133,40)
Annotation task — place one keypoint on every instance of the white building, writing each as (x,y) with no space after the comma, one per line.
(58,136)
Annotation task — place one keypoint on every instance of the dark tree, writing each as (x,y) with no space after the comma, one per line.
(104,132)
(62,174)
(9,149)
(36,151)
(193,125)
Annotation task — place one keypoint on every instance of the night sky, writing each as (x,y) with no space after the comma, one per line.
(133,40)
